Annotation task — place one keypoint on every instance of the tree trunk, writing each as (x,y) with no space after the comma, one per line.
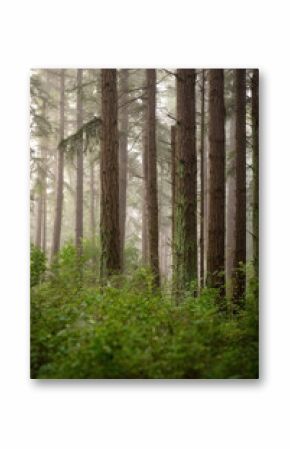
(202,192)
(152,176)
(230,206)
(123,157)
(110,230)
(39,218)
(255,134)
(145,249)
(173,195)
(92,201)
(60,167)
(186,172)
(216,218)
(241,213)
(80,163)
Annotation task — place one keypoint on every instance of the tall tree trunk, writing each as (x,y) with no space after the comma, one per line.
(110,230)
(92,201)
(241,212)
(145,248)
(202,193)
(230,206)
(186,171)
(45,143)
(123,156)
(80,166)
(216,219)
(60,167)
(152,176)
(44,224)
(255,134)
(173,195)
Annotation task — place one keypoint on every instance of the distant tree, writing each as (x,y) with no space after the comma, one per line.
(60,169)
(80,165)
(152,175)
(241,211)
(110,230)
(255,134)
(186,171)
(216,218)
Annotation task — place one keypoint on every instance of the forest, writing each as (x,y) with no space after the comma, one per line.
(144,223)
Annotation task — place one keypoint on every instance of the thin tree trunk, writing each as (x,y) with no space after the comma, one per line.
(186,173)
(92,201)
(39,218)
(216,219)
(202,194)
(110,230)
(60,168)
(152,176)
(80,166)
(241,212)
(123,157)
(255,134)
(44,225)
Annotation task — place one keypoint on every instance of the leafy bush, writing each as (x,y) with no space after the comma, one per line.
(37,265)
(132,332)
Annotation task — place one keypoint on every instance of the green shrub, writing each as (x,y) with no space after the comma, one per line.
(131,332)
(37,265)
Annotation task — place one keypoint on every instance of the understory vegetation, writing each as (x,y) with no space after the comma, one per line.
(128,329)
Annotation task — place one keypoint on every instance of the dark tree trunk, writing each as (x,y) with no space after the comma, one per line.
(186,171)
(173,194)
(110,231)
(241,212)
(145,244)
(216,218)
(60,166)
(202,192)
(80,166)
(255,134)
(152,176)
(123,156)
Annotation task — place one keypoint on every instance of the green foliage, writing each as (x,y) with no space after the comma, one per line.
(127,330)
(37,265)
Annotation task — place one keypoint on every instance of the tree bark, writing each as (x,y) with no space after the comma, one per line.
(145,245)
(110,230)
(152,176)
(202,190)
(230,206)
(123,157)
(241,212)
(60,168)
(186,172)
(255,134)
(216,217)
(80,166)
